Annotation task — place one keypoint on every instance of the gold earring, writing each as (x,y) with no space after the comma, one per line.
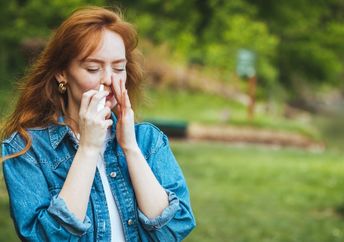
(62,87)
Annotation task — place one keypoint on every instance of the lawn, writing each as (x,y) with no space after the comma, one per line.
(254,194)
(259,194)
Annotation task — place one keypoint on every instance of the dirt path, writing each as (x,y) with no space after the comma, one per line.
(251,135)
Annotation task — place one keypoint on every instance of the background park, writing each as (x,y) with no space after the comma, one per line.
(272,174)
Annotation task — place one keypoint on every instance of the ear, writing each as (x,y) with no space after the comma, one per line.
(61,77)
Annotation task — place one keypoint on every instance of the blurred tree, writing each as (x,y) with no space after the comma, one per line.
(295,41)
(207,32)
(311,39)
(22,20)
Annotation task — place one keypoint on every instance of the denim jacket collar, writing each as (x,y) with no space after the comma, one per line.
(58,132)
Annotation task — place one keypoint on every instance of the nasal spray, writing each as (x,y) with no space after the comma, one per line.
(101,104)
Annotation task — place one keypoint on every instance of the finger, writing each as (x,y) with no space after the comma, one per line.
(127,99)
(95,100)
(113,87)
(116,87)
(85,100)
(123,103)
(108,116)
(121,95)
(108,123)
(106,112)
(117,107)
(122,85)
(119,113)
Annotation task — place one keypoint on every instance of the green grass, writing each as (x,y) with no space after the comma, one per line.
(258,194)
(254,194)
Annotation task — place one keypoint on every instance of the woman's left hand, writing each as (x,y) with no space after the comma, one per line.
(125,127)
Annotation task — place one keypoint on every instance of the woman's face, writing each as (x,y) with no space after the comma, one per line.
(97,68)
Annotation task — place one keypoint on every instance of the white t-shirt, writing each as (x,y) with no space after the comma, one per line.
(117,234)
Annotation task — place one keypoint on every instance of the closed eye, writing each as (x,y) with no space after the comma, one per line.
(93,70)
(119,69)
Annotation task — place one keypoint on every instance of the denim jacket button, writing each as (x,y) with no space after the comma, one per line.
(113,174)
(130,222)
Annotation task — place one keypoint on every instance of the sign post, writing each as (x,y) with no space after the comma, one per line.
(246,69)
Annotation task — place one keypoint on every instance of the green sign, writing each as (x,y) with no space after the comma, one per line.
(246,63)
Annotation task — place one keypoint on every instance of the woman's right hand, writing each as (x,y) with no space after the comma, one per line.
(93,124)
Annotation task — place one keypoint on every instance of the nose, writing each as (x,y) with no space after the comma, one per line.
(106,78)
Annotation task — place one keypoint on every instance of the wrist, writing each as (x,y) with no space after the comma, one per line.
(132,149)
(92,152)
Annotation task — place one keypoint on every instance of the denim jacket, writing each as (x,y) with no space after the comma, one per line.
(34,180)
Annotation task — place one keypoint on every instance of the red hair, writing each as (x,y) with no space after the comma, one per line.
(39,102)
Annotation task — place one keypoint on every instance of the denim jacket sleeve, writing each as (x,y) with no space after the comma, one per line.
(36,214)
(177,220)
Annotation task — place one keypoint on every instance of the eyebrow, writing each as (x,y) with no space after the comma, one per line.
(101,61)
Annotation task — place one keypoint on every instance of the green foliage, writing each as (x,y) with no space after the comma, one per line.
(22,20)
(240,31)
(311,39)
(295,41)
(209,33)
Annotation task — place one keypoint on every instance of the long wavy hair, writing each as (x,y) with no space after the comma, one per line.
(40,103)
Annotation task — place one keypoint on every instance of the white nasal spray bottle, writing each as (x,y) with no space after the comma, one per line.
(101,104)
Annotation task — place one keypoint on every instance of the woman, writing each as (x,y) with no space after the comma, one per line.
(74,169)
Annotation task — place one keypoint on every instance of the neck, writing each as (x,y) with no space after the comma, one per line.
(72,118)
